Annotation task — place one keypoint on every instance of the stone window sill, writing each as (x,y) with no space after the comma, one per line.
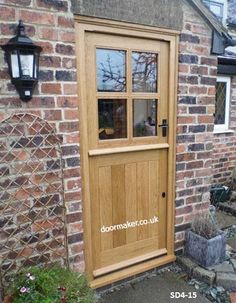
(226,131)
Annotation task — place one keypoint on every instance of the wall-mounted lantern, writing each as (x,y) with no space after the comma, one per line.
(22,57)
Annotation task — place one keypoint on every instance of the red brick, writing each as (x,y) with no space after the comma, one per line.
(183,68)
(67,36)
(184,210)
(199,90)
(51,88)
(183,89)
(186,120)
(72,138)
(209,61)
(65,49)
(69,63)
(185,157)
(75,217)
(76,248)
(7,13)
(37,17)
(69,102)
(70,89)
(195,164)
(200,70)
(47,47)
(205,119)
(52,115)
(179,220)
(42,102)
(180,149)
(211,90)
(71,172)
(69,126)
(71,114)
(59,5)
(199,29)
(201,50)
(48,33)
(73,184)
(65,22)
(50,61)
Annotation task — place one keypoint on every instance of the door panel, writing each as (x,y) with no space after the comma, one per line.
(127,89)
(128,188)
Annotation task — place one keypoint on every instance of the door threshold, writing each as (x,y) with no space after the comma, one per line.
(127,263)
(131,271)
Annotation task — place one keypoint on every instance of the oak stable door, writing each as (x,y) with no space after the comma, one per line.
(128,141)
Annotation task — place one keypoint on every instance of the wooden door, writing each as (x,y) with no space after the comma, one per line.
(127,152)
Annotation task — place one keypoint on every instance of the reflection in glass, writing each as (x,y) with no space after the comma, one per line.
(111,74)
(112,119)
(27,62)
(144,118)
(144,72)
(15,65)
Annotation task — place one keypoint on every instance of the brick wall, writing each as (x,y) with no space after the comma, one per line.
(50,24)
(196,105)
(224,156)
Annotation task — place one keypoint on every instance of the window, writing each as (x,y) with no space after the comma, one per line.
(127,88)
(222,103)
(217,7)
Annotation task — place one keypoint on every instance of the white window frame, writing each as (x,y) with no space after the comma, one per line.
(225,8)
(225,126)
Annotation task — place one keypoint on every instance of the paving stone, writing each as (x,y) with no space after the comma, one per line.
(227,280)
(187,264)
(224,220)
(232,242)
(233,262)
(204,275)
(153,290)
(223,267)
(229,248)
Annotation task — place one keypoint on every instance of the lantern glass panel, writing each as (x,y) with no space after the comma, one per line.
(27,65)
(36,64)
(15,65)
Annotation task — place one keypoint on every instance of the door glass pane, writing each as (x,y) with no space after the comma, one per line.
(112,119)
(144,72)
(111,70)
(144,118)
(220,103)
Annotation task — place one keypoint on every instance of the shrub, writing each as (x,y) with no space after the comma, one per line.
(50,285)
(204,225)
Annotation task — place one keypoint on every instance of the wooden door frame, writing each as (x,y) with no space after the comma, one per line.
(95,25)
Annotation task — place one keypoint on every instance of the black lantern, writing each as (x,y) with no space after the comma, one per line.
(22,57)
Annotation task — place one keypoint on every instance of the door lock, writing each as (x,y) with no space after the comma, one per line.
(164,126)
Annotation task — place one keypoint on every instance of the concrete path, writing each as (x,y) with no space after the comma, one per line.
(157,289)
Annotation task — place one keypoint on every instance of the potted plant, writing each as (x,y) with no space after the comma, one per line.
(205,243)
(48,285)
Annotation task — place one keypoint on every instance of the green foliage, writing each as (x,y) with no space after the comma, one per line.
(50,285)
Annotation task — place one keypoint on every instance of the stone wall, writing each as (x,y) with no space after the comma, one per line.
(50,24)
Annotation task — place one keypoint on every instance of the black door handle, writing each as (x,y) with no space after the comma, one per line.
(164,126)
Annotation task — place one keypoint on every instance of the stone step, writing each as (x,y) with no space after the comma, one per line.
(226,280)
